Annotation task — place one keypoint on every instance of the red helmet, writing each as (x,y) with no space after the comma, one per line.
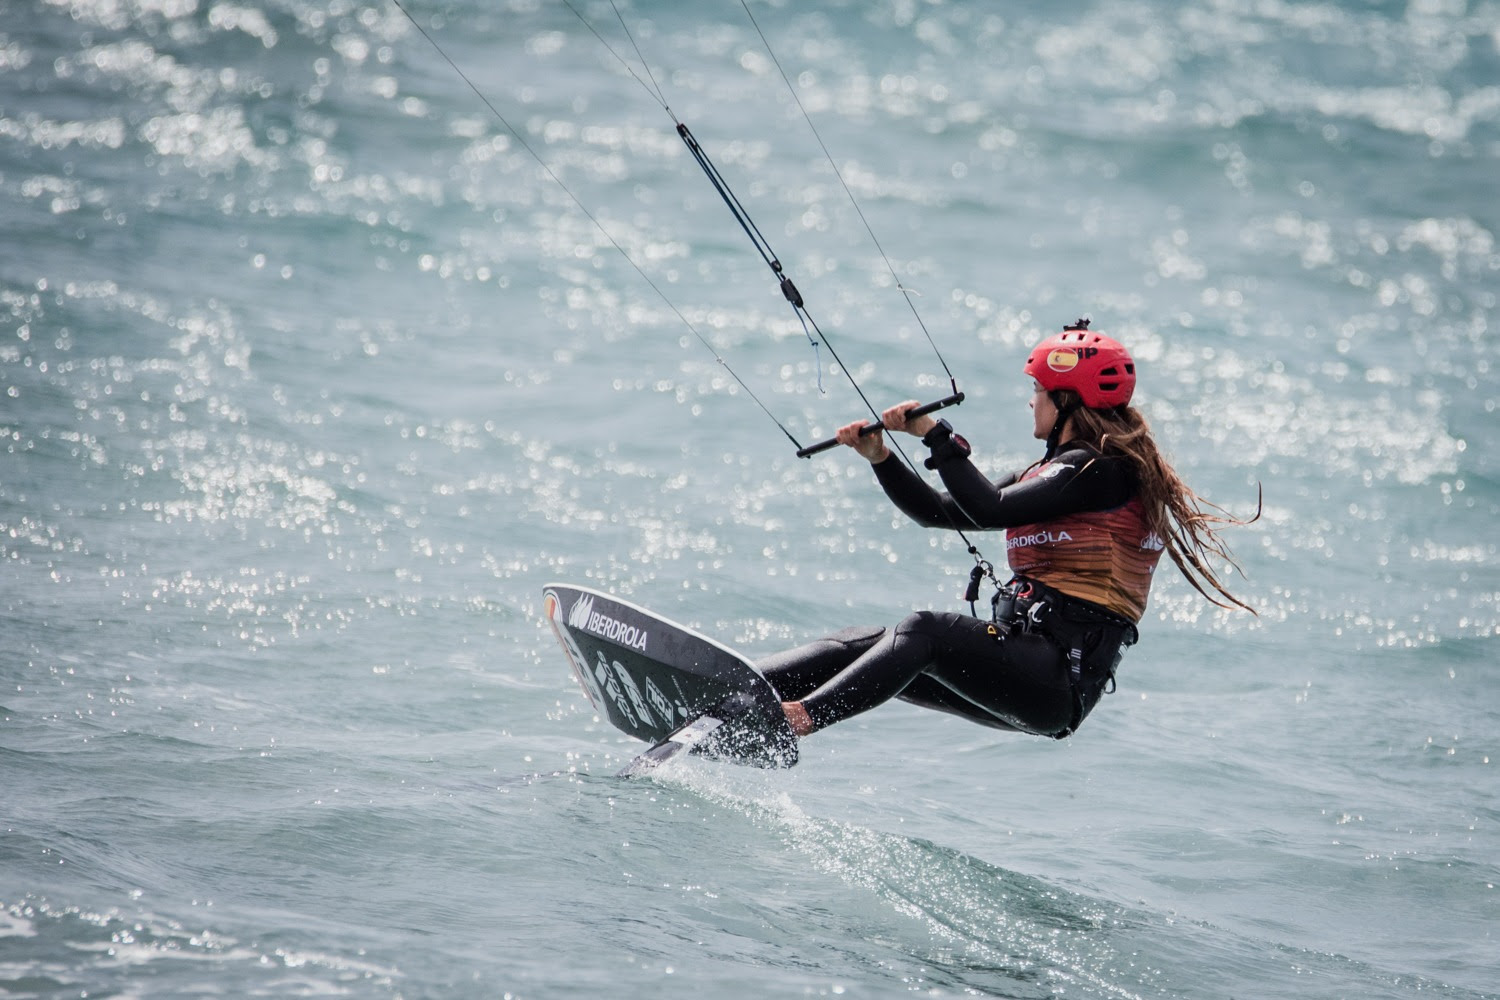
(1096,367)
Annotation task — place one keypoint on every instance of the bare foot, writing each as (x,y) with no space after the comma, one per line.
(797,718)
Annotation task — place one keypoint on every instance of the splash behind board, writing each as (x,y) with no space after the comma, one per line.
(666,684)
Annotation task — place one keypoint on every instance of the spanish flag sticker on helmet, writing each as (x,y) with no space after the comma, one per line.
(1062,360)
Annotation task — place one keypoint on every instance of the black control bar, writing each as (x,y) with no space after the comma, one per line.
(916,411)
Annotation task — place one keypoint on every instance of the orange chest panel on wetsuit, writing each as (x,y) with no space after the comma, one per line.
(1104,556)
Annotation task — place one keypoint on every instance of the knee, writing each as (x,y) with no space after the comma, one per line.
(918,623)
(858,637)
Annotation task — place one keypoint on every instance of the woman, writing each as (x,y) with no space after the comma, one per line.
(1085,527)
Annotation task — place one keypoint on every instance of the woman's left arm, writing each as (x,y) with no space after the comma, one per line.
(1075,480)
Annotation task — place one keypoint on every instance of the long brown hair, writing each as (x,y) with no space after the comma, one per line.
(1187,524)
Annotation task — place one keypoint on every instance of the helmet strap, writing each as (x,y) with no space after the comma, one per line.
(1064,411)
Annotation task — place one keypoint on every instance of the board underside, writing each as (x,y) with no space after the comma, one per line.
(651,678)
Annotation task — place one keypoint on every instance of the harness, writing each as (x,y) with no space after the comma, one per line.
(1093,638)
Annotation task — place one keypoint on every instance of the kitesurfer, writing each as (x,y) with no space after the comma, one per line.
(1085,527)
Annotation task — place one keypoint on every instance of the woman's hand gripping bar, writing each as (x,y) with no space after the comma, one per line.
(916,411)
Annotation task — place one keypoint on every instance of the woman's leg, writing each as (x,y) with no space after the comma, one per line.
(896,660)
(928,692)
(954,663)
(1030,689)
(795,672)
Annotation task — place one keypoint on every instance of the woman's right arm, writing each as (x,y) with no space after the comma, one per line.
(917,500)
(907,490)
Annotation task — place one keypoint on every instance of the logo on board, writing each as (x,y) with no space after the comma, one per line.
(621,689)
(585,617)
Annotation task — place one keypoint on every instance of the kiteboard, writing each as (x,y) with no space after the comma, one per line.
(666,684)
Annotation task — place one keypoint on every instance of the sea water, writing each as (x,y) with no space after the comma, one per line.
(315,367)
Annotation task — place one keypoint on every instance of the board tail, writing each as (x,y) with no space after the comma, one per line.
(715,734)
(679,742)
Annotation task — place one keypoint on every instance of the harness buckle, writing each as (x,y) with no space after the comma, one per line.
(1003,607)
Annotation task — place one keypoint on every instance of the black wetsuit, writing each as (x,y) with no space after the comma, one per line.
(1019,677)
